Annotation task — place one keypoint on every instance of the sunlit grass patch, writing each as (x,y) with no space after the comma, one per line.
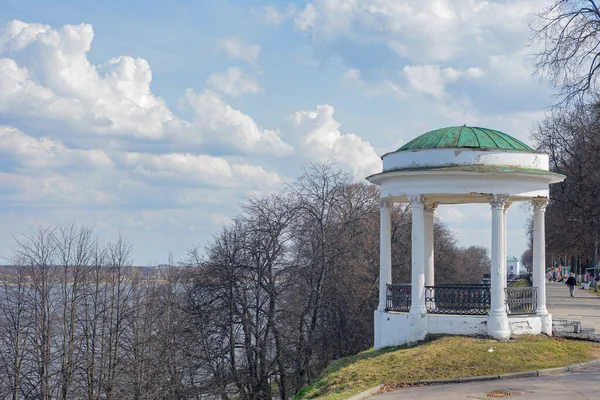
(443,358)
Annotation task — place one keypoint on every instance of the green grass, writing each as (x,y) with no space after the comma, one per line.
(521,283)
(445,357)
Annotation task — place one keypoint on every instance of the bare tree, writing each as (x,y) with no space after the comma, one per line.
(74,247)
(173,355)
(115,321)
(570,136)
(569,31)
(317,191)
(90,320)
(15,331)
(36,253)
(267,221)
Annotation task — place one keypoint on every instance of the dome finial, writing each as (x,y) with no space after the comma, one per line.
(465,125)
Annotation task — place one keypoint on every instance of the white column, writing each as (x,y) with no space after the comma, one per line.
(504,241)
(539,261)
(429,210)
(385,251)
(418,256)
(497,319)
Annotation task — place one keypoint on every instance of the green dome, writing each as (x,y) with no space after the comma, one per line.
(470,137)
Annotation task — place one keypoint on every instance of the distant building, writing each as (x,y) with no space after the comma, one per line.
(513,267)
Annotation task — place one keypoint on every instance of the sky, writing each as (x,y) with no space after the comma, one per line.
(156,119)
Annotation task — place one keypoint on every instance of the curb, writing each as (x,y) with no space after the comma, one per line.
(366,394)
(513,375)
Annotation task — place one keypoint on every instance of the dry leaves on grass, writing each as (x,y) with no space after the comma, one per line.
(391,386)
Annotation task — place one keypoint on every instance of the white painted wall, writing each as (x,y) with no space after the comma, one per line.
(391,329)
(462,157)
(396,329)
(469,325)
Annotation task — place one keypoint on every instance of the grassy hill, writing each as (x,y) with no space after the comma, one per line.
(445,357)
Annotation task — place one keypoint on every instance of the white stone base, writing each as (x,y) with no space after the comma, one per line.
(546,321)
(525,324)
(396,329)
(470,325)
(498,326)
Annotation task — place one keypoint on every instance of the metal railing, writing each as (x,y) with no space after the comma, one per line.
(466,299)
(398,298)
(521,300)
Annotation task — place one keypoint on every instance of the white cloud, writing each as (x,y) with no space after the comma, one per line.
(512,67)
(273,16)
(49,76)
(422,30)
(474,72)
(518,124)
(451,214)
(45,153)
(218,123)
(55,189)
(17,35)
(352,75)
(74,176)
(233,82)
(48,81)
(237,49)
(306,20)
(205,169)
(318,138)
(373,89)
(432,79)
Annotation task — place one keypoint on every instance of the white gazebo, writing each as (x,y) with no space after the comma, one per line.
(460,165)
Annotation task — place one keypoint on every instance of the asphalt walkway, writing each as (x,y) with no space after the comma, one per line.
(584,384)
(584,307)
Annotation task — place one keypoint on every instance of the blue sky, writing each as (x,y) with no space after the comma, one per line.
(156,118)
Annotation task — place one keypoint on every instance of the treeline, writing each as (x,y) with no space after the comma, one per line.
(287,286)
(569,58)
(571,137)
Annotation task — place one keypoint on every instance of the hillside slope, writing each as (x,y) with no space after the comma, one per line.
(445,357)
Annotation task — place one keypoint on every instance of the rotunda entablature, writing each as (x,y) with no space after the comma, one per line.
(458,165)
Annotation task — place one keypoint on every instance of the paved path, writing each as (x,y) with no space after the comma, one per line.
(583,384)
(584,307)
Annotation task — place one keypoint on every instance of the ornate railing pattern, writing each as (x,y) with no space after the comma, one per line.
(468,299)
(398,298)
(521,300)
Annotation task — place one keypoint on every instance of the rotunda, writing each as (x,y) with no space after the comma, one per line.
(460,165)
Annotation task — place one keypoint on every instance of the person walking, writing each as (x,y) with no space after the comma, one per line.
(571,282)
